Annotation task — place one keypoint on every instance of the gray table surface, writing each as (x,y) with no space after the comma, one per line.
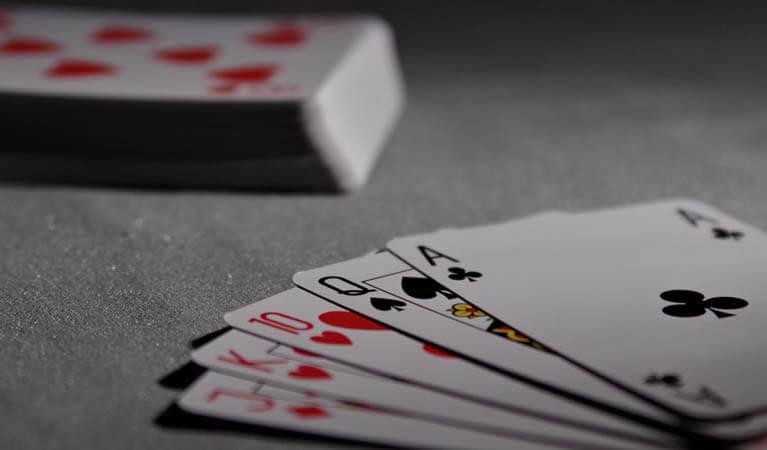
(512,110)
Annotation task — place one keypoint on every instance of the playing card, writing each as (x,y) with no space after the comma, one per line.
(663,299)
(247,356)
(301,320)
(251,402)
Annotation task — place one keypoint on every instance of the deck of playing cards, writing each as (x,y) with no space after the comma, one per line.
(299,103)
(633,327)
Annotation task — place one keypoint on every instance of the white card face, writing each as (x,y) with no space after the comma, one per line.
(155,57)
(247,356)
(664,298)
(231,398)
(302,320)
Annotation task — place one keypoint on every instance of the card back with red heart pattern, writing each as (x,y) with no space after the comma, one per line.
(128,55)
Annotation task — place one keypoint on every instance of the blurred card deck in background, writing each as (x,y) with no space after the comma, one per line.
(295,103)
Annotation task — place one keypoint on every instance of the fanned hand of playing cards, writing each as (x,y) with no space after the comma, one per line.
(192,100)
(633,327)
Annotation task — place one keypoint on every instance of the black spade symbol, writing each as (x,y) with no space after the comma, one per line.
(425,288)
(387,304)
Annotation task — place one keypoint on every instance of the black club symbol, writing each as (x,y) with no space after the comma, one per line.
(459,273)
(693,304)
(669,380)
(722,233)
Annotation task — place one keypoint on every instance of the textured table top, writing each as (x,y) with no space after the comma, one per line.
(511,111)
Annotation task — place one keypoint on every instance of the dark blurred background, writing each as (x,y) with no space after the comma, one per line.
(514,107)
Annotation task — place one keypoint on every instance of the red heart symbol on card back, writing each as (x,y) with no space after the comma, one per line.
(350,320)
(118,34)
(283,36)
(332,338)
(310,372)
(28,46)
(186,55)
(258,73)
(309,412)
(79,68)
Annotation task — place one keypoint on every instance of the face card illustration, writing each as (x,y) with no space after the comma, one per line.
(230,398)
(247,356)
(635,281)
(144,56)
(411,285)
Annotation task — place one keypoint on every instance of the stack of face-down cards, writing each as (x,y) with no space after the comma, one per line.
(195,101)
(633,327)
